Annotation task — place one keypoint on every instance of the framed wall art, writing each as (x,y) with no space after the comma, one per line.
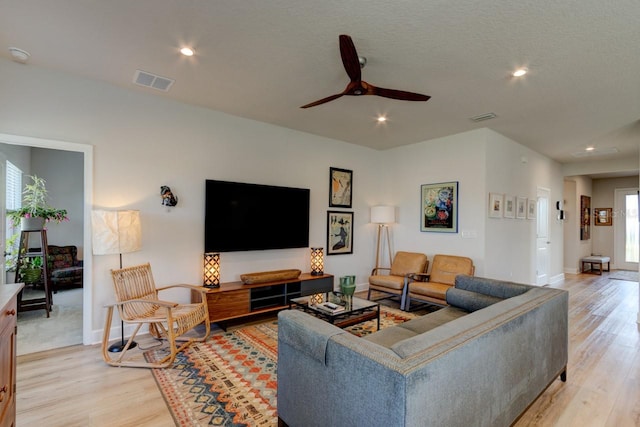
(521,207)
(585,217)
(603,216)
(339,233)
(509,206)
(439,207)
(340,187)
(496,205)
(532,208)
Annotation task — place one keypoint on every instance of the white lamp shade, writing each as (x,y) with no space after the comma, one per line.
(116,232)
(383,214)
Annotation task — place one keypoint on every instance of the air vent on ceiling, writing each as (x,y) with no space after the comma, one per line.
(483,117)
(154,81)
(595,152)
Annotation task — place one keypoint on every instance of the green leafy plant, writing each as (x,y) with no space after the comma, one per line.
(11,249)
(35,204)
(31,269)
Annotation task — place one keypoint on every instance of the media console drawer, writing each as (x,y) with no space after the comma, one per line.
(233,300)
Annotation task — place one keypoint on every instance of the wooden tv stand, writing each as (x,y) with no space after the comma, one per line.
(233,300)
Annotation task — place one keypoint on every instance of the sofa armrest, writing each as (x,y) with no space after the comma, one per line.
(305,333)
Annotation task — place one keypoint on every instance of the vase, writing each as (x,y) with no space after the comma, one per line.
(33,223)
(348,285)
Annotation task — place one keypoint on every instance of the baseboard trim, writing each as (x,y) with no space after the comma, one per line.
(556,279)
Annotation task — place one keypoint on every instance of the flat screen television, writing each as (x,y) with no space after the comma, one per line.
(247,217)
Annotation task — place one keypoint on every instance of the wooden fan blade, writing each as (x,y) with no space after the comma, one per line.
(323,100)
(397,94)
(350,58)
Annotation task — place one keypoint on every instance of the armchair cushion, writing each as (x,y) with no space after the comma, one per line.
(392,282)
(408,263)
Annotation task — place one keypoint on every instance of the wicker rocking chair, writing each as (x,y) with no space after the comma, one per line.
(138,302)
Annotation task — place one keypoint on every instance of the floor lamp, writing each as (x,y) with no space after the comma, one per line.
(116,232)
(383,216)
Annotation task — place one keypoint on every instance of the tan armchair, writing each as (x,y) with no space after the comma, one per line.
(443,274)
(138,303)
(394,280)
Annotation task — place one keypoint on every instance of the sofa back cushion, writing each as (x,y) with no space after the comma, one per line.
(408,263)
(446,267)
(62,256)
(491,287)
(469,301)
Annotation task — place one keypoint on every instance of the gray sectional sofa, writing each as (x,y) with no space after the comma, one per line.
(481,361)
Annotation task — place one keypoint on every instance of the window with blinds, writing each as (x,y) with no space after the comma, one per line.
(14,186)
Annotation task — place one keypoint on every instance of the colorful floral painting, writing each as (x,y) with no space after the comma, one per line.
(439,207)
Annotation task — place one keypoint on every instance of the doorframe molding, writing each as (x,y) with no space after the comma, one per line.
(616,237)
(87,150)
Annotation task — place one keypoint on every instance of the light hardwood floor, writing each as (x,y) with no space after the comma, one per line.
(74,387)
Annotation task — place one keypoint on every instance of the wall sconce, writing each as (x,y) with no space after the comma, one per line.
(317,261)
(212,270)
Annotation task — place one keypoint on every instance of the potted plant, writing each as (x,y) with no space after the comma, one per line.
(31,269)
(36,211)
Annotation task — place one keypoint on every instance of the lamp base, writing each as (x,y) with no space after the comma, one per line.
(118,347)
(317,273)
(211,286)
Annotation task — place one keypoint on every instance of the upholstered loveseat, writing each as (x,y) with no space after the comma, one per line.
(481,361)
(65,270)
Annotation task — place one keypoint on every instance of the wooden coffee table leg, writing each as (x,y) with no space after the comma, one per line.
(378,317)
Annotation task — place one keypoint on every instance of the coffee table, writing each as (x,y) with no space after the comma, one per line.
(356,310)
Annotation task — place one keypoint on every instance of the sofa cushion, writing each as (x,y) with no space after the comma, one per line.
(469,301)
(389,336)
(492,287)
(388,282)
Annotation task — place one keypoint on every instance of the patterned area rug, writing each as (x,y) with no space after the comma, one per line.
(231,379)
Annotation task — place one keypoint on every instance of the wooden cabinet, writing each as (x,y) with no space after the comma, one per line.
(8,328)
(233,300)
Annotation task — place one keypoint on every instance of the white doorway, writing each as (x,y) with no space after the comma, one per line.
(626,229)
(87,151)
(543,242)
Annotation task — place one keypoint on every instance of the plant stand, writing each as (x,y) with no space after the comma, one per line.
(25,252)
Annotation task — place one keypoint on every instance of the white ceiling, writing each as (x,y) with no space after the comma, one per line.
(264,59)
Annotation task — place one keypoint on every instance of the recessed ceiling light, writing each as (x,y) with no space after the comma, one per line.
(590,148)
(520,72)
(19,55)
(187,51)
(382,119)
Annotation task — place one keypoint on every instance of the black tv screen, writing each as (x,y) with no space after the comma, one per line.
(247,217)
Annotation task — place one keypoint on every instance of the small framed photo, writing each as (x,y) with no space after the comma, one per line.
(603,216)
(532,208)
(496,202)
(439,207)
(521,207)
(340,186)
(509,206)
(339,233)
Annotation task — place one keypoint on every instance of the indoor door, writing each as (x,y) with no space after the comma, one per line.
(543,243)
(625,224)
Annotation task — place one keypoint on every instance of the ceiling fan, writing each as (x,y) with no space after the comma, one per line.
(357,86)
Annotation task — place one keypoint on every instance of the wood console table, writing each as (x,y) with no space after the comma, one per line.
(233,300)
(8,329)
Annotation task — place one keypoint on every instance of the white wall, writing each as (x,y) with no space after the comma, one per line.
(516,170)
(63,172)
(583,187)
